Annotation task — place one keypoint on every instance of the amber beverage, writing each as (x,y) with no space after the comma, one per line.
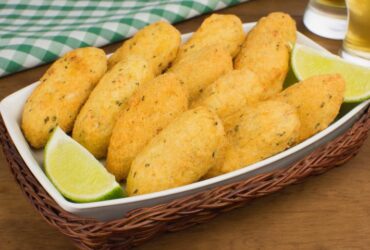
(357,41)
(334,7)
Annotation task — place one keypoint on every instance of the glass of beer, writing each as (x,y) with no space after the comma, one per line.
(326,18)
(356,45)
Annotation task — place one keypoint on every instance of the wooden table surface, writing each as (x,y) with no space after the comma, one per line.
(331,211)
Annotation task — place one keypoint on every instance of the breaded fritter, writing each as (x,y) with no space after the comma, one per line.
(181,154)
(94,124)
(258,133)
(266,50)
(63,89)
(148,112)
(199,69)
(231,92)
(158,43)
(317,99)
(224,30)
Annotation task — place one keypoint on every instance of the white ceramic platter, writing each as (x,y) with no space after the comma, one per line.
(11,110)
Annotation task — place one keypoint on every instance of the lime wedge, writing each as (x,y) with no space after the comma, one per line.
(308,62)
(76,173)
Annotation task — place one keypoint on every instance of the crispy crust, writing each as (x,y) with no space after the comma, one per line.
(258,133)
(266,50)
(158,43)
(148,112)
(64,88)
(317,99)
(181,154)
(231,92)
(224,30)
(94,124)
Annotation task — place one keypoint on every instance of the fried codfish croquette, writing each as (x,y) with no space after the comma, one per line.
(62,91)
(181,154)
(260,132)
(158,43)
(225,30)
(201,68)
(266,50)
(317,99)
(231,92)
(148,111)
(94,124)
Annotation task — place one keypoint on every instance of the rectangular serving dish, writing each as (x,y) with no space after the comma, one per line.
(11,110)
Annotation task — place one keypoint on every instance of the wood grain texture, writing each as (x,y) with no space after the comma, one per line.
(330,211)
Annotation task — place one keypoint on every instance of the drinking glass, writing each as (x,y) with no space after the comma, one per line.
(356,45)
(326,18)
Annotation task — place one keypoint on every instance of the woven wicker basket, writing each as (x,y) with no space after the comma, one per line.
(143,224)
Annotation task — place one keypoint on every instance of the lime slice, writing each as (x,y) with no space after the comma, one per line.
(308,62)
(76,173)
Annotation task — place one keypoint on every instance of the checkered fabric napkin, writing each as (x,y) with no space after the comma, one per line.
(34,32)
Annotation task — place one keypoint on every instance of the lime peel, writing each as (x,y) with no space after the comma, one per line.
(76,173)
(307,62)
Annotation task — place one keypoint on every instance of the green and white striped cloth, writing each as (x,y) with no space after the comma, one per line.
(34,32)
